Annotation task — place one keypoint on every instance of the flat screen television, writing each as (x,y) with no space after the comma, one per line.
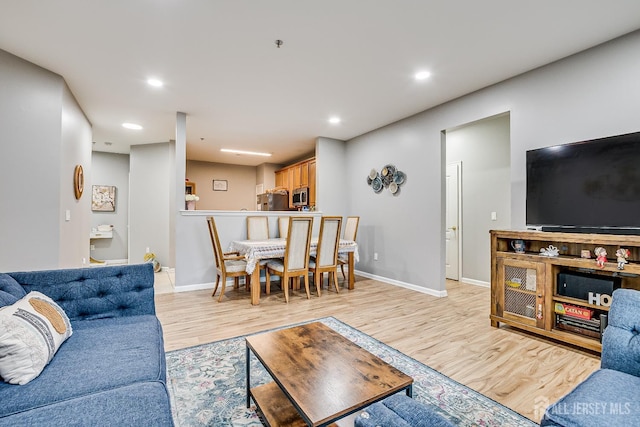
(589,186)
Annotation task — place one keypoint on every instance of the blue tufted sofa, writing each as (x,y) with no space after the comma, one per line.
(400,410)
(111,371)
(611,395)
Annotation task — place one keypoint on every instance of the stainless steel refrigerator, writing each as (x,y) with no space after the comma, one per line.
(273,202)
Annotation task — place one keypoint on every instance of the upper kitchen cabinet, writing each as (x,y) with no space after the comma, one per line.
(282,178)
(301,174)
(312,182)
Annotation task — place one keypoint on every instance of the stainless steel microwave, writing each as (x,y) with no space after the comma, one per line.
(300,196)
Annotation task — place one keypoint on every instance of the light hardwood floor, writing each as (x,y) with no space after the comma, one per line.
(452,335)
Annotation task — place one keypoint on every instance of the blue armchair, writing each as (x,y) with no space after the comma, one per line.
(611,395)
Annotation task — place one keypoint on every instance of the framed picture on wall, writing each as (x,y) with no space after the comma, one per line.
(219,185)
(103,198)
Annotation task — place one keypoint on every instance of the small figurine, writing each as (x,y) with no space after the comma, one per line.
(601,256)
(622,255)
(551,251)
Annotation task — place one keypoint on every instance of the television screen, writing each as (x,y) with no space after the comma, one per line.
(592,185)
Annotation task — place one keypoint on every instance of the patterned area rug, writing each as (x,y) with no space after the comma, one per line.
(207,385)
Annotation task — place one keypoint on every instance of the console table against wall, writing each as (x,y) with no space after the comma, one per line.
(524,288)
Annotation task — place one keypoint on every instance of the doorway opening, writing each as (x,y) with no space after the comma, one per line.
(478,195)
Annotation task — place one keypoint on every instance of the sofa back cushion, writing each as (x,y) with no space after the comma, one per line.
(96,293)
(10,290)
(621,339)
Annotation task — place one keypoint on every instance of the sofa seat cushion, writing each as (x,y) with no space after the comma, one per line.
(101,355)
(142,404)
(400,410)
(606,398)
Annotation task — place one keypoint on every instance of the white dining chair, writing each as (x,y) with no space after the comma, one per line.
(350,233)
(296,256)
(257,228)
(283,226)
(326,259)
(229,264)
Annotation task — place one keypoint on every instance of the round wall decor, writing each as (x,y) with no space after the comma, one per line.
(78,181)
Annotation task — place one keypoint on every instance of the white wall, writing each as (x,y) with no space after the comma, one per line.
(150,201)
(589,95)
(112,169)
(331,169)
(75,147)
(483,149)
(43,135)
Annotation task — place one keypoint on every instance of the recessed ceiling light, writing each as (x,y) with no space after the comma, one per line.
(251,153)
(334,120)
(154,82)
(422,75)
(132,126)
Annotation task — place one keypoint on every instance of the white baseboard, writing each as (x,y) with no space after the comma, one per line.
(197,287)
(432,292)
(475,282)
(438,294)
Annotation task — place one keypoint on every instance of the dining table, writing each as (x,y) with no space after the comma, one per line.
(255,251)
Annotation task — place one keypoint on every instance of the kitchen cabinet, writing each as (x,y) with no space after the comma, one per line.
(282,178)
(301,174)
(312,182)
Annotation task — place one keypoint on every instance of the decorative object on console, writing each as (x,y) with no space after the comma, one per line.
(389,177)
(622,254)
(191,200)
(550,251)
(518,246)
(585,253)
(601,256)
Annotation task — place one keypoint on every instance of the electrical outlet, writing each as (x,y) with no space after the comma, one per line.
(494,216)
(148,249)
(92,247)
(375,256)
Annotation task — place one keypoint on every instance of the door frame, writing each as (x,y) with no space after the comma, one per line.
(458,165)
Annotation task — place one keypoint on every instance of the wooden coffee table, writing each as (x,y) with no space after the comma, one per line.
(319,376)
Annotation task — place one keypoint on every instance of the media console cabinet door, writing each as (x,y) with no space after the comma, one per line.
(520,291)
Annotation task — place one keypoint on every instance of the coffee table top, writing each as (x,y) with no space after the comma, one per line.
(324,374)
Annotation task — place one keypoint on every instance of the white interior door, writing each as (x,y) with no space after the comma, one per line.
(453,221)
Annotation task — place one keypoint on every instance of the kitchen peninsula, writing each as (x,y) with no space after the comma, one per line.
(196,260)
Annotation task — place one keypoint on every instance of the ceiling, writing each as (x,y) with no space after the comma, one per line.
(350,58)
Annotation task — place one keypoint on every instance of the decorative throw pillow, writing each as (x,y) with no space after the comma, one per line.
(31,331)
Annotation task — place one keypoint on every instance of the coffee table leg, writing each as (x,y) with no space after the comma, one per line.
(248,373)
(410,390)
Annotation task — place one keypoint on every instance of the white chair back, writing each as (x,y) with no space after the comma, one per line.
(283,226)
(351,228)
(257,228)
(328,241)
(298,240)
